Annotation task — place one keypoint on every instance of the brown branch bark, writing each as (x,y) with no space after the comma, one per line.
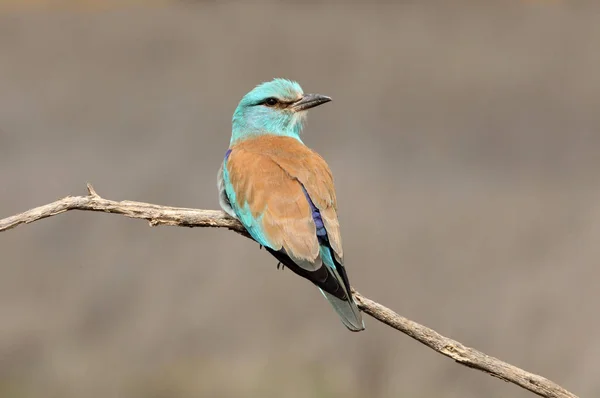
(176,216)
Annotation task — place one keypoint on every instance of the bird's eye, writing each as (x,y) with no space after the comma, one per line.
(271,101)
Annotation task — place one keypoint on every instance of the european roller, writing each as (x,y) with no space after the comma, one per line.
(283,192)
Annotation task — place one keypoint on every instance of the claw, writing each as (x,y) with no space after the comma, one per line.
(261,246)
(280,265)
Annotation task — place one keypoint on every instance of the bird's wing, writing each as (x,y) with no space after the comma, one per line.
(313,173)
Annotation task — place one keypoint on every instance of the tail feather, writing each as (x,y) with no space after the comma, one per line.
(344,305)
(333,283)
(347,310)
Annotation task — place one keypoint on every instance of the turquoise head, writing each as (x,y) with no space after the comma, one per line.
(277,107)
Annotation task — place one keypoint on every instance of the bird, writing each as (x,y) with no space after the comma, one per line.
(283,193)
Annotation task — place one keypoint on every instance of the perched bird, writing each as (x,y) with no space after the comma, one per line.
(283,193)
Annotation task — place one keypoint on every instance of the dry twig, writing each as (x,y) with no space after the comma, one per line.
(176,216)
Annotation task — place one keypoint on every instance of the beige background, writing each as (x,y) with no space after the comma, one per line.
(465,142)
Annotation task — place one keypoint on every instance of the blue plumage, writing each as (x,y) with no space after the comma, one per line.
(318,220)
(252,118)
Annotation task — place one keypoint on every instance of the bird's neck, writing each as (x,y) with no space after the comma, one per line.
(243,132)
(237,136)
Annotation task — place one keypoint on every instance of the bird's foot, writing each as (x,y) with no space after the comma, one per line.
(280,265)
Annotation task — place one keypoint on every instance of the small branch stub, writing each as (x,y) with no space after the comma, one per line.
(91,191)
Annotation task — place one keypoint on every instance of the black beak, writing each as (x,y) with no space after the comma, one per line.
(309,101)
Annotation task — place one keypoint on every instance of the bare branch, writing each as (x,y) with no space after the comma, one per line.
(156,215)
(464,355)
(182,217)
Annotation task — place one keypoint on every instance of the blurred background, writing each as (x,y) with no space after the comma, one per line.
(465,142)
